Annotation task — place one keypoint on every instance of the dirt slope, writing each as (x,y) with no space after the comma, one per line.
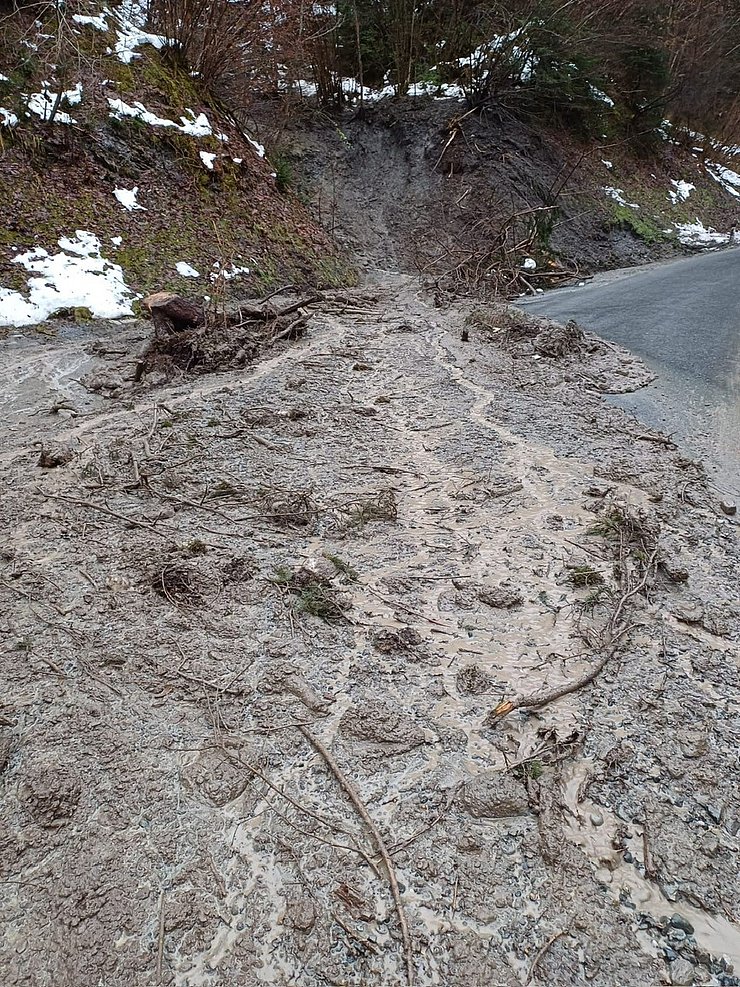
(372,539)
(426,185)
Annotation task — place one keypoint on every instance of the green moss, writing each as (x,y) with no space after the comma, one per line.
(638,223)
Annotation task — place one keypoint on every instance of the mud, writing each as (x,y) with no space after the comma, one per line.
(166,633)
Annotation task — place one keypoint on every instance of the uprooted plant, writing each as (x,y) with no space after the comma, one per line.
(192,338)
(631,540)
(311,592)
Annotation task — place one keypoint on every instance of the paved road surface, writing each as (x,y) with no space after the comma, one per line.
(683,319)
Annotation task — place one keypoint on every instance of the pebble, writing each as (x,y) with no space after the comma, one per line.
(729,507)
(628,858)
(596,819)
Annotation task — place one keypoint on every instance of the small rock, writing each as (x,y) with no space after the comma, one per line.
(301,914)
(679,922)
(597,819)
(728,507)
(494,795)
(387,641)
(473,681)
(628,858)
(500,598)
(55,454)
(682,973)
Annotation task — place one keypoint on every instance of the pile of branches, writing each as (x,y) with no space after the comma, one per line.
(194,339)
(485,256)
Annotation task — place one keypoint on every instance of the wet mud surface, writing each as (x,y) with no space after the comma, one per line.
(361,547)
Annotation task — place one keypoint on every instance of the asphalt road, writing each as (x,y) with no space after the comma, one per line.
(683,319)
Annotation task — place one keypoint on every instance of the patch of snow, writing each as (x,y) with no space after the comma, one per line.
(185,270)
(44,102)
(138,111)
(728,179)
(697,235)
(7,119)
(207,158)
(607,164)
(77,277)
(4,78)
(618,195)
(132,16)
(127,197)
(237,160)
(99,22)
(323,10)
(680,192)
(601,96)
(196,126)
(228,272)
(259,149)
(530,264)
(116,241)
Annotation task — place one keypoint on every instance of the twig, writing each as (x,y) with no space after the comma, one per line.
(160,937)
(541,952)
(379,842)
(647,857)
(105,510)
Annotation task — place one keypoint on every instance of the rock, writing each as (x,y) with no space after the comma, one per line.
(728,507)
(500,597)
(596,818)
(387,641)
(300,914)
(494,795)
(173,313)
(473,681)
(51,792)
(681,973)
(673,571)
(378,723)
(679,922)
(55,454)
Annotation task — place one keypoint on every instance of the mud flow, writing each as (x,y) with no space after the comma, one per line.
(392,658)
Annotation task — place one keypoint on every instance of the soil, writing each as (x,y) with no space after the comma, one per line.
(423,186)
(361,547)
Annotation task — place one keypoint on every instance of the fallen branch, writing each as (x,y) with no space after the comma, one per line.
(379,843)
(105,510)
(613,634)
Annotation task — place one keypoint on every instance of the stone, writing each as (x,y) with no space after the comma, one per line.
(500,598)
(473,681)
(387,640)
(728,507)
(494,795)
(679,922)
(380,724)
(681,973)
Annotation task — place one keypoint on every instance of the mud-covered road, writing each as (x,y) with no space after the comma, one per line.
(683,319)
(282,650)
